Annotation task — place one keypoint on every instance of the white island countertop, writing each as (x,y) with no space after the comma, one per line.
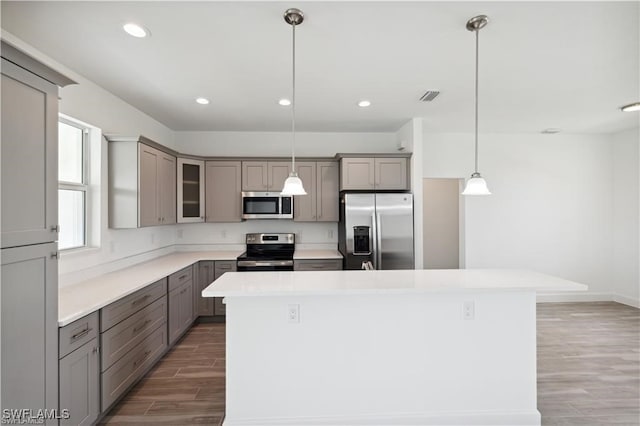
(303,283)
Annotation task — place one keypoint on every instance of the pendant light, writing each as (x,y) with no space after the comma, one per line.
(293,184)
(476,185)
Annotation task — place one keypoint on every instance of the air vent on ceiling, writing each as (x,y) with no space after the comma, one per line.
(429,95)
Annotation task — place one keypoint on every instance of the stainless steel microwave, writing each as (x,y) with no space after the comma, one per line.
(266,205)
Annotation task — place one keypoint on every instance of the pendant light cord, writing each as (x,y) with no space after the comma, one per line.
(476,124)
(293,105)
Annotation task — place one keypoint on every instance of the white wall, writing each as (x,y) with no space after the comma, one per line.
(308,144)
(552,206)
(410,135)
(626,216)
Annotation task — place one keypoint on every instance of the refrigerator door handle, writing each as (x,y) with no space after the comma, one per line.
(378,242)
(374,240)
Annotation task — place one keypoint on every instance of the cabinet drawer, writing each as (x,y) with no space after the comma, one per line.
(223,266)
(182,276)
(128,369)
(76,334)
(317,265)
(123,337)
(117,311)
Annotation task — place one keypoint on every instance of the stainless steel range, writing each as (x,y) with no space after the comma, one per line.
(267,252)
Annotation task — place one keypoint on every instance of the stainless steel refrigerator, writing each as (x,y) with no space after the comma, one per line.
(376,229)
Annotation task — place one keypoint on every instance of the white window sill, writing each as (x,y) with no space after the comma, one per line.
(80,251)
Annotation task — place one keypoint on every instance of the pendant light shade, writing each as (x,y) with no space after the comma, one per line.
(293,184)
(476,185)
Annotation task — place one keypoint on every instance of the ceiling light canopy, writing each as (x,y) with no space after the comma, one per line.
(631,107)
(364,103)
(135,30)
(284,102)
(476,185)
(202,101)
(293,184)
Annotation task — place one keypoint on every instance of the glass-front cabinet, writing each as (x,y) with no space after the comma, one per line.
(190,190)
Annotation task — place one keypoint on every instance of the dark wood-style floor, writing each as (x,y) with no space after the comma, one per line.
(588,372)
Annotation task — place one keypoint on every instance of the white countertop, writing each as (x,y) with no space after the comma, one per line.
(316,254)
(305,283)
(83,298)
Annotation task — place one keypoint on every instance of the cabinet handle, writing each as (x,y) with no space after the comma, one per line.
(139,361)
(96,350)
(55,255)
(182,277)
(142,299)
(140,327)
(55,228)
(80,334)
(159,219)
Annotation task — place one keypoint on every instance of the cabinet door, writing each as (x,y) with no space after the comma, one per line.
(255,176)
(204,305)
(148,202)
(304,206)
(187,306)
(29,157)
(29,328)
(223,188)
(190,189)
(328,191)
(357,173)
(80,385)
(167,189)
(175,319)
(222,267)
(278,172)
(391,173)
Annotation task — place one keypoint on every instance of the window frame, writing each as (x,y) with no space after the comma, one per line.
(82,187)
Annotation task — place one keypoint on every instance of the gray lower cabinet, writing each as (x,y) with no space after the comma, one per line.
(133,332)
(180,303)
(317,265)
(79,383)
(29,327)
(222,267)
(204,305)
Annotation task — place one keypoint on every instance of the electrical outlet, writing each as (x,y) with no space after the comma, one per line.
(180,233)
(330,234)
(469,310)
(153,238)
(223,233)
(293,314)
(112,246)
(298,235)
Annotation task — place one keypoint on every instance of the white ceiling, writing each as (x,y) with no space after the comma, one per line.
(569,65)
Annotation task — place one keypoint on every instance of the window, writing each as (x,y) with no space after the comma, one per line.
(72,184)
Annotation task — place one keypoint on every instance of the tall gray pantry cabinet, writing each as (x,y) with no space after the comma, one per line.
(29,285)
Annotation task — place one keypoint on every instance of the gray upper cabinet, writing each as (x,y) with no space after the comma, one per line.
(190,190)
(376,173)
(142,183)
(29,335)
(305,205)
(29,157)
(391,173)
(223,188)
(327,191)
(357,173)
(321,181)
(264,176)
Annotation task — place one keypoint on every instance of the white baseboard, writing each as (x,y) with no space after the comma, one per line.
(586,296)
(626,300)
(519,417)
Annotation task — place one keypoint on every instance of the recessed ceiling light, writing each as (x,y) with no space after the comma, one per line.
(135,30)
(631,107)
(202,101)
(364,104)
(551,131)
(284,102)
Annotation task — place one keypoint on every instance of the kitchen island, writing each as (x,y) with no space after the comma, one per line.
(382,347)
